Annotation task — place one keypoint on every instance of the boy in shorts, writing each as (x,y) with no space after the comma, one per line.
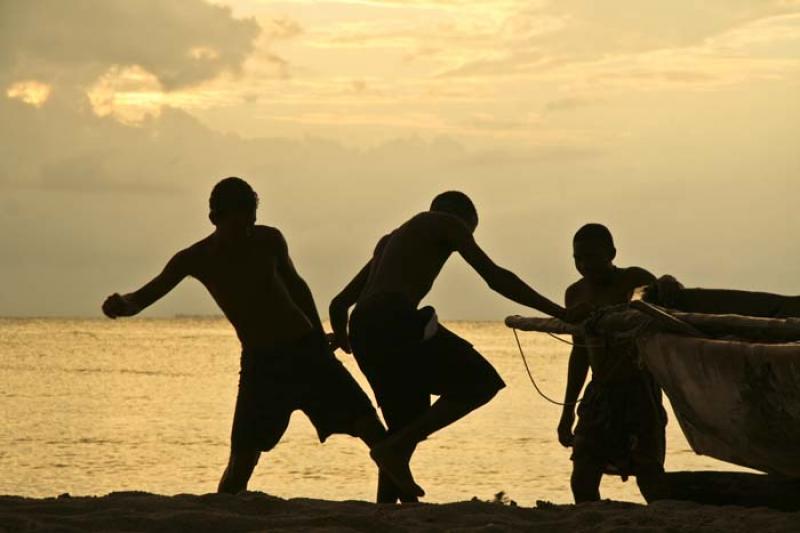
(621,420)
(286,362)
(403,351)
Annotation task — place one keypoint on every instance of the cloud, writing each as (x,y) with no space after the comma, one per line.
(31,92)
(535,39)
(569,103)
(180,42)
(281,28)
(593,29)
(90,205)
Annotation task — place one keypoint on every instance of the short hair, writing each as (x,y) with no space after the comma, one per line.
(456,203)
(594,232)
(232,195)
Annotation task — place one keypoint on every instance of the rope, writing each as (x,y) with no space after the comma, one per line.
(636,331)
(533,380)
(565,341)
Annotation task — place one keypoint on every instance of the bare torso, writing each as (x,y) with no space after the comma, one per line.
(245,281)
(609,364)
(408,260)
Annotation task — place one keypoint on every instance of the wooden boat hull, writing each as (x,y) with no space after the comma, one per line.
(735,401)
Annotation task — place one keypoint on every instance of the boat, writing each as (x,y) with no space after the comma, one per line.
(733,379)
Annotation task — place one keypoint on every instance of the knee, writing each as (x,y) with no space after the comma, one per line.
(486,395)
(479,396)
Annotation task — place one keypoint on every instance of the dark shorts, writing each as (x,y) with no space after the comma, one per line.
(621,427)
(302,375)
(404,370)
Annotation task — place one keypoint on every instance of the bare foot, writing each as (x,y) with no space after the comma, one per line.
(389,461)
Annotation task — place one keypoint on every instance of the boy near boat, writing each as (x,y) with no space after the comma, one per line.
(621,420)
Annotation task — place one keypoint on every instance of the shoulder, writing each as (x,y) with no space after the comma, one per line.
(269,236)
(382,242)
(574,291)
(638,276)
(268,232)
(446,226)
(435,226)
(196,250)
(445,219)
(187,259)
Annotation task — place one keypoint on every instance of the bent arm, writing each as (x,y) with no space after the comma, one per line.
(577,371)
(134,302)
(498,278)
(342,302)
(297,287)
(348,297)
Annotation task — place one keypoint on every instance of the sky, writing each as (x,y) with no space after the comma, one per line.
(674,123)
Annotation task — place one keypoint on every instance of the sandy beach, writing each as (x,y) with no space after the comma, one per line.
(139,511)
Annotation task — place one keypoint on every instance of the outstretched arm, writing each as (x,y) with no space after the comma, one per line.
(297,287)
(498,278)
(132,303)
(663,291)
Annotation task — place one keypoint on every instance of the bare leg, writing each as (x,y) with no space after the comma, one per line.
(399,410)
(653,485)
(395,452)
(392,463)
(387,489)
(585,481)
(240,467)
(441,414)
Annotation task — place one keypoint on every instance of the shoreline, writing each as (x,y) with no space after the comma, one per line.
(140,511)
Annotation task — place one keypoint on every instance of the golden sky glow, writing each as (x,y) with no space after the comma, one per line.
(491,70)
(675,122)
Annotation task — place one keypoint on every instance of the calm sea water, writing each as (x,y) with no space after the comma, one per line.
(94,406)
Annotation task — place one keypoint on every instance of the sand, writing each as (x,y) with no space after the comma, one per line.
(138,511)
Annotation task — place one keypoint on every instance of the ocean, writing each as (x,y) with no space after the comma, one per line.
(92,406)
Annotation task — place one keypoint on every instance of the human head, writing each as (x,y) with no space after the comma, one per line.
(594,252)
(458,204)
(232,204)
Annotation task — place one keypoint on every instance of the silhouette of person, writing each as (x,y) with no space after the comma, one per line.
(404,352)
(286,362)
(621,419)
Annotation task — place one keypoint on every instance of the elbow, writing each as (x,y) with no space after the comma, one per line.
(338,306)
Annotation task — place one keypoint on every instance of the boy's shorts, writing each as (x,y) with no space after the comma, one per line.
(302,375)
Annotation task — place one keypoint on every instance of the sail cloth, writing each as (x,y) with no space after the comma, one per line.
(736,401)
